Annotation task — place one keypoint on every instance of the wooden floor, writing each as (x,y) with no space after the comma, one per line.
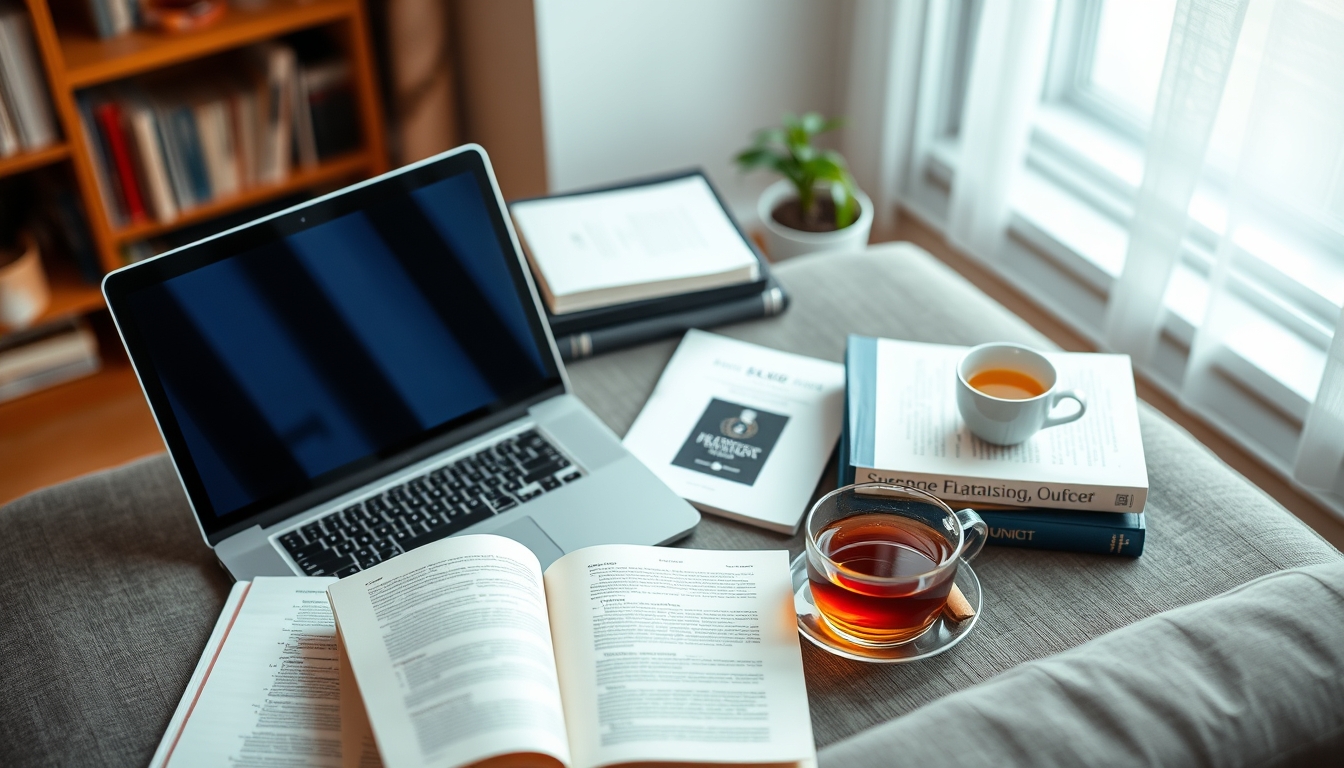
(79,427)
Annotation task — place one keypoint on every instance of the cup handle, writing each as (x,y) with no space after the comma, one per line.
(1067,394)
(974,533)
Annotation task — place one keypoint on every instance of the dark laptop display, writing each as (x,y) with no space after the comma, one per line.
(288,362)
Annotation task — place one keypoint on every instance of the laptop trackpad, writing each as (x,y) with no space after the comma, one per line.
(530,535)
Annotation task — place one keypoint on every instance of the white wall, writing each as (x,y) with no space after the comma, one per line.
(635,88)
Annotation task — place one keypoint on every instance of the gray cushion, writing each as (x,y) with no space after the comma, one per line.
(1248,678)
(1208,529)
(109,592)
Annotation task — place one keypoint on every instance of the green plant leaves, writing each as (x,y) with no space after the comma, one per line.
(789,151)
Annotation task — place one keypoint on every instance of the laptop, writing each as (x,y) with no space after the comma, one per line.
(371,371)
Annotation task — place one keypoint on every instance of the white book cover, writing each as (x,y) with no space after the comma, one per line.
(741,430)
(904,427)
(598,249)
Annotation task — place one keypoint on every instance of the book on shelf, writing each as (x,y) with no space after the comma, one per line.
(104,19)
(29,122)
(650,239)
(902,426)
(37,358)
(168,142)
(464,651)
(740,430)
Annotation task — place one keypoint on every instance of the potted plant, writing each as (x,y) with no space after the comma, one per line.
(816,206)
(23,284)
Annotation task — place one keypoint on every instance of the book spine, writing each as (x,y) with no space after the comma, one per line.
(109,119)
(150,151)
(1011,529)
(581,345)
(101,170)
(23,80)
(9,135)
(192,153)
(1013,493)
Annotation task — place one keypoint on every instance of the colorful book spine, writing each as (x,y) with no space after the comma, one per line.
(109,120)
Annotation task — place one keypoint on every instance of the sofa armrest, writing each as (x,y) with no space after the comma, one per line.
(1254,676)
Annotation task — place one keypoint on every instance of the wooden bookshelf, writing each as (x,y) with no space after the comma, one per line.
(90,61)
(73,59)
(76,60)
(27,161)
(327,173)
(70,295)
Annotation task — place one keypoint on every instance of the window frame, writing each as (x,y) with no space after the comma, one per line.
(1084,168)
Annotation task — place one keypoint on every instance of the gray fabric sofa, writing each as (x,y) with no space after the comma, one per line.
(108,593)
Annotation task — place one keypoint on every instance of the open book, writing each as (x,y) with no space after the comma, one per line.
(465,653)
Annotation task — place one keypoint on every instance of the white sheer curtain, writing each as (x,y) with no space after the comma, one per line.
(1289,168)
(1279,132)
(1012,45)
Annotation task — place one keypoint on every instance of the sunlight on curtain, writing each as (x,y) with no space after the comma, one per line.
(1012,45)
(1285,108)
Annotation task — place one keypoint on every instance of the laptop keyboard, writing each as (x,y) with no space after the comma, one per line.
(430,507)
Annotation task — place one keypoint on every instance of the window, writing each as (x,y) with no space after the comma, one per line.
(1072,208)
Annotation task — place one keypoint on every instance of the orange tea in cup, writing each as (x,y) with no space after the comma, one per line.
(875,593)
(1007,384)
(882,559)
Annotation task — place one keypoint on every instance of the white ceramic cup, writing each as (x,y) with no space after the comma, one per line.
(1008,422)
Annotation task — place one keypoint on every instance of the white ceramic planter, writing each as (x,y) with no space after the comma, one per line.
(23,288)
(783,242)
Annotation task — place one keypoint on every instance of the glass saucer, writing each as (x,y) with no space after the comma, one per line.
(938,638)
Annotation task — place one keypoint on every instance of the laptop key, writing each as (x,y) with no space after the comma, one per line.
(292,540)
(571,477)
(349,570)
(327,567)
(549,483)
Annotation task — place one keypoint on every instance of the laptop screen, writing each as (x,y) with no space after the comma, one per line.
(322,350)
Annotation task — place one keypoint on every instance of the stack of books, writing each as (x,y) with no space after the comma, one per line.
(44,357)
(1077,487)
(27,122)
(163,145)
(623,265)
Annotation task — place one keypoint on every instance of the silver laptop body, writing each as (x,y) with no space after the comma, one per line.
(309,373)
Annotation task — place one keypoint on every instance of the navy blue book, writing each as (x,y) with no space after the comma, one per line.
(1101,533)
(193,156)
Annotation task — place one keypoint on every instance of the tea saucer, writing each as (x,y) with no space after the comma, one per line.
(938,638)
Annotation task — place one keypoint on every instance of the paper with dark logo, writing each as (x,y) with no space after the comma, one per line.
(741,430)
(731,441)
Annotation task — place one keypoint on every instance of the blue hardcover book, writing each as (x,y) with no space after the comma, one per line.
(1100,533)
(193,156)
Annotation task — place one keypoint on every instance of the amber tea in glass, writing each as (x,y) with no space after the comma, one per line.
(881,560)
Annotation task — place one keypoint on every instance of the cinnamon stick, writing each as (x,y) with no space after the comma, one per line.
(958,608)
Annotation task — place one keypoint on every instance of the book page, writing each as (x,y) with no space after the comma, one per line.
(921,430)
(272,696)
(207,662)
(642,234)
(450,646)
(679,655)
